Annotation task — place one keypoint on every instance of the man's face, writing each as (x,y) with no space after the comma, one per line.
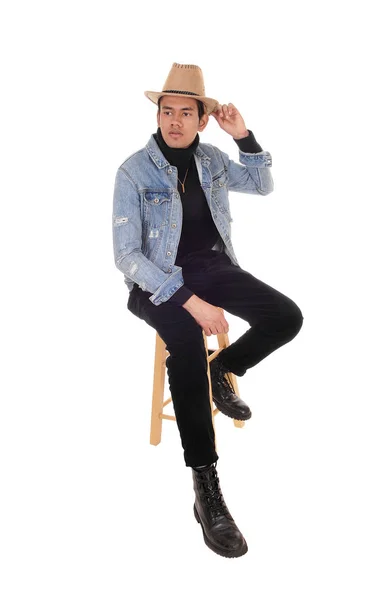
(178,120)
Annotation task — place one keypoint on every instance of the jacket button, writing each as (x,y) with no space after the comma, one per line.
(174,225)
(169,270)
(168,253)
(170,170)
(220,183)
(156,200)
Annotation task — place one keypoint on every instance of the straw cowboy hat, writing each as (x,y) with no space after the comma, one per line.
(185,80)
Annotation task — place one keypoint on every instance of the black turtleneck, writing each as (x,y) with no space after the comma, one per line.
(199,233)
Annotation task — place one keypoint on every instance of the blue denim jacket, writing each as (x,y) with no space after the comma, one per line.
(147,210)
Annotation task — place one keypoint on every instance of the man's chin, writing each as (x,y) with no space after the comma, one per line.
(178,142)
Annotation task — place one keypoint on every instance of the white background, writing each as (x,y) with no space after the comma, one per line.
(88,508)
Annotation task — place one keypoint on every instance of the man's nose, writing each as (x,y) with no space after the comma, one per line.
(176,120)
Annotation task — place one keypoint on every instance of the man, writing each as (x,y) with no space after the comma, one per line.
(172,241)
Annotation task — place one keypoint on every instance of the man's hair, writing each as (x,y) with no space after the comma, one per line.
(200,106)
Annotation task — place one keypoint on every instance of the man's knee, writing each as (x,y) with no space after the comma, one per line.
(292,319)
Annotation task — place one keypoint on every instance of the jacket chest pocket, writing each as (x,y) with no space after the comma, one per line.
(220,181)
(156,208)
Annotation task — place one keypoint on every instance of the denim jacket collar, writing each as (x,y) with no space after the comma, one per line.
(159,159)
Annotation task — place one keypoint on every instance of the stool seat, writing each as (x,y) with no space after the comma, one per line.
(158,402)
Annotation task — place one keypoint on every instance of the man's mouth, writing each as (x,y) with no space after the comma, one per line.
(175,133)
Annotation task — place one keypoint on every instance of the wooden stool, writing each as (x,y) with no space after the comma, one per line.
(158,404)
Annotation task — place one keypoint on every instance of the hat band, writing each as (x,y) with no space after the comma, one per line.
(180,92)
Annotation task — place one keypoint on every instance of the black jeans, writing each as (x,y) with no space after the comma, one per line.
(274,320)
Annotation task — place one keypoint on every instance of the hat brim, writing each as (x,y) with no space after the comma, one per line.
(210,103)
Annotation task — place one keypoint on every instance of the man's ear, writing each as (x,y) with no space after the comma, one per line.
(203,122)
(158,117)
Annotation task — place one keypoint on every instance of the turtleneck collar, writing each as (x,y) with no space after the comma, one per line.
(179,157)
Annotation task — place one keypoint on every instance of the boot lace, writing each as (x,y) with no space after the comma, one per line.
(225,379)
(213,494)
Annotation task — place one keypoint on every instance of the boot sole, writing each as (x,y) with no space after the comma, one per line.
(228,414)
(215,549)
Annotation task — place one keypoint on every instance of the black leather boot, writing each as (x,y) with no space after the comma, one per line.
(220,532)
(224,395)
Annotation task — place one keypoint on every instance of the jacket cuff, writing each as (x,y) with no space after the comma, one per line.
(168,287)
(249,144)
(181,296)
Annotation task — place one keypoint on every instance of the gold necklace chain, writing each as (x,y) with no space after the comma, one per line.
(183,182)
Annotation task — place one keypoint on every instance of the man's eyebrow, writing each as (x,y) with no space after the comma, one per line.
(171,108)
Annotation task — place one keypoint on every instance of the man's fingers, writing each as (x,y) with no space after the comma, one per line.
(215,326)
(225,111)
(216,329)
(225,325)
(232,108)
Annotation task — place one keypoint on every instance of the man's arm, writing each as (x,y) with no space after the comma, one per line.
(253,175)
(127,242)
(248,143)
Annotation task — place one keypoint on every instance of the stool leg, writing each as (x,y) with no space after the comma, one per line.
(223,342)
(158,391)
(210,389)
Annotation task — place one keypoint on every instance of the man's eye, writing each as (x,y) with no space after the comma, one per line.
(168,112)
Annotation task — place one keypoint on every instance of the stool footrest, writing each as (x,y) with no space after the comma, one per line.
(214,354)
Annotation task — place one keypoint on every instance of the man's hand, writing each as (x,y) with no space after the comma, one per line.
(230,120)
(209,317)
